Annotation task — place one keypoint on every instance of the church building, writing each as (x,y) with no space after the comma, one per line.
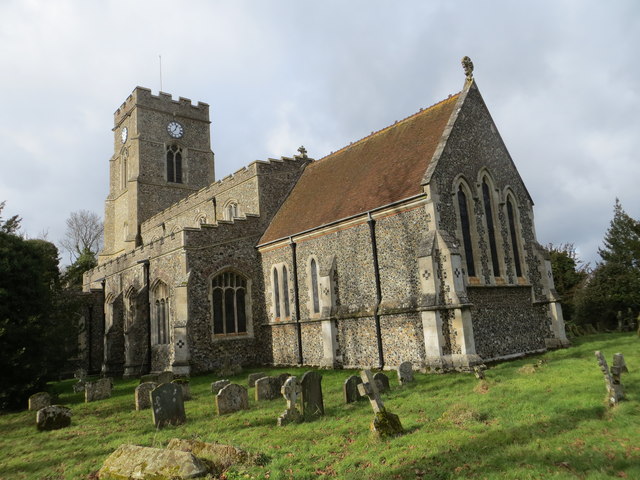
(416,243)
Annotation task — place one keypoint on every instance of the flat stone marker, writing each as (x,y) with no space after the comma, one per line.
(291,392)
(251,379)
(53,417)
(39,400)
(615,391)
(267,388)
(382,382)
(132,461)
(142,395)
(350,389)
(384,423)
(219,455)
(219,385)
(167,405)
(232,398)
(311,395)
(165,377)
(98,390)
(405,373)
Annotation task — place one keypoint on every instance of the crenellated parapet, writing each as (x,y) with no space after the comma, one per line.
(142,97)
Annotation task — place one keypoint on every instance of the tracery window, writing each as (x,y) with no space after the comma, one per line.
(514,237)
(229,301)
(463,209)
(488,212)
(174,164)
(280,293)
(315,296)
(161,314)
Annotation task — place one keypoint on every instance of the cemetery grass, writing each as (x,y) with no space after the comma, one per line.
(522,422)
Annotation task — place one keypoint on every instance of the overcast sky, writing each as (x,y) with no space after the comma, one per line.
(560,77)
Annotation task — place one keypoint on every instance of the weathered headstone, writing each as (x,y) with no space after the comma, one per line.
(218,457)
(142,395)
(615,391)
(186,389)
(251,379)
(39,400)
(132,461)
(311,394)
(350,389)
(290,391)
(98,390)
(283,378)
(232,398)
(267,388)
(53,417)
(165,377)
(384,422)
(149,378)
(167,405)
(219,385)
(405,373)
(382,382)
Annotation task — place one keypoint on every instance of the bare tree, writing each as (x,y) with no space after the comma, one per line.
(10,225)
(84,233)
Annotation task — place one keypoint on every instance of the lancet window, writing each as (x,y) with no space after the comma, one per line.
(514,237)
(161,314)
(488,212)
(174,164)
(465,226)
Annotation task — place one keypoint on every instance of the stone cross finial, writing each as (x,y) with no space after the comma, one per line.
(368,387)
(467,64)
(303,151)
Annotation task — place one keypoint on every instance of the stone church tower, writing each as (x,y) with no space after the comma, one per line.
(162,154)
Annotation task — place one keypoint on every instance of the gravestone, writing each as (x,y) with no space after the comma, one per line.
(283,378)
(267,388)
(142,395)
(350,389)
(132,461)
(186,388)
(615,391)
(98,390)
(311,395)
(251,379)
(167,405)
(80,375)
(382,382)
(53,417)
(405,373)
(290,391)
(39,400)
(165,377)
(218,457)
(384,422)
(232,398)
(219,385)
(149,378)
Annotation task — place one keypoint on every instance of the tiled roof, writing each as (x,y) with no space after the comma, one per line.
(385,167)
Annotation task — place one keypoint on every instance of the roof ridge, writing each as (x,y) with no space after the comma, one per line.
(394,124)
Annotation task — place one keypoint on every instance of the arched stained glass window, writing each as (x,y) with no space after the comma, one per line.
(488,212)
(314,286)
(466,232)
(514,237)
(228,296)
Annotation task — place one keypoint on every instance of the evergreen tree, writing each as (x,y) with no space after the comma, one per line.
(568,275)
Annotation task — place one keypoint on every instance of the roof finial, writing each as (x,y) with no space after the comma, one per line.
(467,64)
(303,151)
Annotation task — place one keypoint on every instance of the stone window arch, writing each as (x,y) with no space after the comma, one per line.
(130,308)
(280,295)
(231,210)
(489,208)
(230,303)
(314,290)
(124,170)
(174,156)
(466,231)
(161,312)
(515,234)
(109,311)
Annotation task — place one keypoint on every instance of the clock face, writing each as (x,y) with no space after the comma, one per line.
(124,134)
(175,129)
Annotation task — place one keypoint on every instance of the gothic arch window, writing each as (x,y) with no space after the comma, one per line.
(315,293)
(276,294)
(108,312)
(231,210)
(514,236)
(160,323)
(285,292)
(229,301)
(174,163)
(281,309)
(124,173)
(129,309)
(489,217)
(465,227)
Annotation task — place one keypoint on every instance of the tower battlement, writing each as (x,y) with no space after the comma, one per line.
(142,97)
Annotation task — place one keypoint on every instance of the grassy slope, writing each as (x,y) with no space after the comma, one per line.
(551,423)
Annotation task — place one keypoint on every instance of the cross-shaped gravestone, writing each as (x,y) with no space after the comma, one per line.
(384,423)
(369,388)
(291,390)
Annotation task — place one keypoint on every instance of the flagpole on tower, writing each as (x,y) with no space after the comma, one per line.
(160,57)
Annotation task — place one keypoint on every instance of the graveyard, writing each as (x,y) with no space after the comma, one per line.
(543,416)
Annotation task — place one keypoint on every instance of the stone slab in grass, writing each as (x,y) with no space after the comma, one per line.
(132,461)
(218,457)
(53,417)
